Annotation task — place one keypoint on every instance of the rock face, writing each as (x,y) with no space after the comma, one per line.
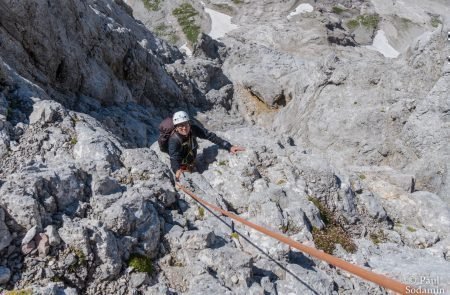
(346,149)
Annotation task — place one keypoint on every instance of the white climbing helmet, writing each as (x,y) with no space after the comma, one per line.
(180,117)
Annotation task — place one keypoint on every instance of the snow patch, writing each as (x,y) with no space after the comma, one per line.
(186,49)
(381,44)
(302,8)
(220,23)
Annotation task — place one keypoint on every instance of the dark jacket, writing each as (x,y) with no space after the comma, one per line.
(183,150)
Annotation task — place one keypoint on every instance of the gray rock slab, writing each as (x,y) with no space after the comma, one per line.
(5,275)
(5,235)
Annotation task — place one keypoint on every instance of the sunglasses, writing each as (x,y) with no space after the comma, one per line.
(183,125)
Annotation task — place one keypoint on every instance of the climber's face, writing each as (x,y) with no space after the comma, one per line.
(183,128)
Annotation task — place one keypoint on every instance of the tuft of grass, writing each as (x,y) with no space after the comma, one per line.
(367,20)
(327,238)
(201,212)
(352,24)
(362,176)
(411,229)
(222,163)
(140,263)
(185,14)
(237,1)
(9,113)
(435,21)
(152,4)
(281,181)
(166,32)
(224,7)
(81,259)
(73,141)
(378,237)
(337,9)
(235,235)
(19,292)
(290,228)
(325,214)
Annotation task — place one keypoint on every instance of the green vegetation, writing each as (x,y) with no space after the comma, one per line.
(325,214)
(152,4)
(201,212)
(435,21)
(235,235)
(367,20)
(237,1)
(338,10)
(362,176)
(166,33)
(222,163)
(224,8)
(185,14)
(378,237)
(12,105)
(81,260)
(73,141)
(9,113)
(281,181)
(327,238)
(411,229)
(75,119)
(140,263)
(352,24)
(19,292)
(290,228)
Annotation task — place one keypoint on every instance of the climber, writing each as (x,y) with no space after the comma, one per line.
(182,144)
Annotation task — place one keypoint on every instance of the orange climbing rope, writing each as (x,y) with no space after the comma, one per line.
(356,270)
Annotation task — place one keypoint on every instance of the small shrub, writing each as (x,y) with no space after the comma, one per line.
(140,263)
(362,176)
(237,1)
(185,14)
(281,181)
(435,21)
(338,10)
(73,141)
(235,235)
(201,212)
(81,260)
(327,238)
(222,163)
(19,292)
(325,214)
(352,24)
(378,237)
(368,20)
(290,228)
(152,4)
(224,7)
(411,229)
(166,32)
(9,113)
